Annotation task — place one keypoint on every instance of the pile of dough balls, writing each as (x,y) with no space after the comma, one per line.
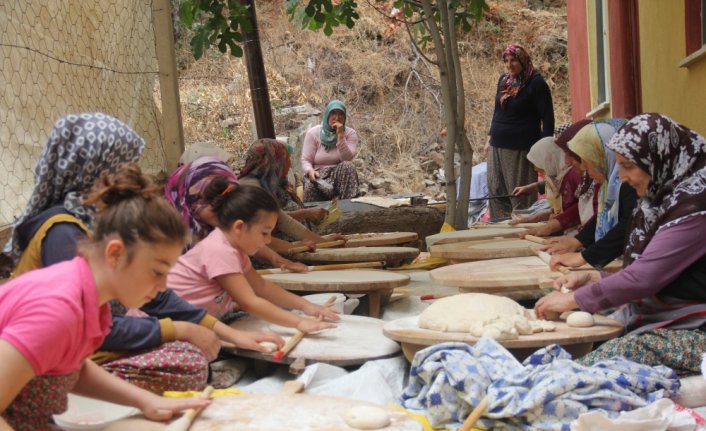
(482,315)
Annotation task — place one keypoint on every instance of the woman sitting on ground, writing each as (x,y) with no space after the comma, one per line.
(661,290)
(326,157)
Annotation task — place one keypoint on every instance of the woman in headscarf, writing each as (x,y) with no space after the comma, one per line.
(267,162)
(164,352)
(559,185)
(602,239)
(523,114)
(326,157)
(661,290)
(80,148)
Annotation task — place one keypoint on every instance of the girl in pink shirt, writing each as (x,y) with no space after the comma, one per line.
(216,274)
(53,318)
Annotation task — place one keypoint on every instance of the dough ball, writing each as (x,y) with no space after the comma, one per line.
(580,319)
(566,314)
(269,345)
(366,417)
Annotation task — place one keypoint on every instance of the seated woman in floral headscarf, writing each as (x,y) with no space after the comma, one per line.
(661,290)
(326,157)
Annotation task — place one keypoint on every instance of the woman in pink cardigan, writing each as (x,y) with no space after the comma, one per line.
(326,157)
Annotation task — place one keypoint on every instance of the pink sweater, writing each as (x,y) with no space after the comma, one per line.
(315,156)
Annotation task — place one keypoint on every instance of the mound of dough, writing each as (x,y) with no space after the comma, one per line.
(482,315)
(366,417)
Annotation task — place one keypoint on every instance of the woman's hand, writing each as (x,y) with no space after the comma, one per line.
(563,244)
(575,280)
(312,174)
(200,336)
(525,190)
(319,310)
(251,340)
(340,129)
(547,229)
(486,148)
(572,260)
(304,243)
(557,302)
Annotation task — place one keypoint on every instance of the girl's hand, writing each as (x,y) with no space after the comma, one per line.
(563,244)
(557,302)
(308,325)
(315,310)
(573,260)
(313,175)
(288,265)
(161,409)
(200,336)
(251,340)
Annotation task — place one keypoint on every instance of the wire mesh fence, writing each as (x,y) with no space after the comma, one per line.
(61,57)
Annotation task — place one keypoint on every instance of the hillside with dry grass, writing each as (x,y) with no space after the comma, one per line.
(392,94)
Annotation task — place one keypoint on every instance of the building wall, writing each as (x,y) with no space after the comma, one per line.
(579,77)
(675,91)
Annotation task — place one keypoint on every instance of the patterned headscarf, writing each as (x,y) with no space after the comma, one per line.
(547,156)
(185,187)
(328,135)
(590,144)
(268,160)
(511,85)
(675,158)
(80,148)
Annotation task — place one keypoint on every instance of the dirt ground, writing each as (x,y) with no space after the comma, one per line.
(392,94)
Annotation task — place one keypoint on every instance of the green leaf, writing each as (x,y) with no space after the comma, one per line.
(186,14)
(199,43)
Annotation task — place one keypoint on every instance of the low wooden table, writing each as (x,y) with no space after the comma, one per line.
(356,340)
(373,283)
(577,341)
(473,234)
(484,249)
(393,256)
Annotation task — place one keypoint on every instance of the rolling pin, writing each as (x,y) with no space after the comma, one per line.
(546,258)
(475,415)
(537,239)
(184,422)
(326,267)
(328,244)
(296,338)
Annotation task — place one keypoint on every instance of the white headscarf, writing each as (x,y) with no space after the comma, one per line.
(548,157)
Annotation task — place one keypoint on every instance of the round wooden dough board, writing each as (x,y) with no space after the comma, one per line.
(473,234)
(407,331)
(275,412)
(380,238)
(497,275)
(484,249)
(356,340)
(341,280)
(358,254)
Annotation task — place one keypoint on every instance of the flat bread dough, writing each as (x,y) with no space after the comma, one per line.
(366,417)
(482,315)
(269,345)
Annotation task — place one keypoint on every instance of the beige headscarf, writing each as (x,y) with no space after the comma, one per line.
(548,157)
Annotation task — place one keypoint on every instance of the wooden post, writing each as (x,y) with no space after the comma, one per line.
(172,128)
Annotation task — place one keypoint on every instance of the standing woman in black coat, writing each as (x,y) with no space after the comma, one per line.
(523,114)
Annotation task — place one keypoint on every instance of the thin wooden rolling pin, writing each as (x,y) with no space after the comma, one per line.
(475,415)
(328,244)
(537,239)
(296,338)
(184,422)
(326,267)
(546,258)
